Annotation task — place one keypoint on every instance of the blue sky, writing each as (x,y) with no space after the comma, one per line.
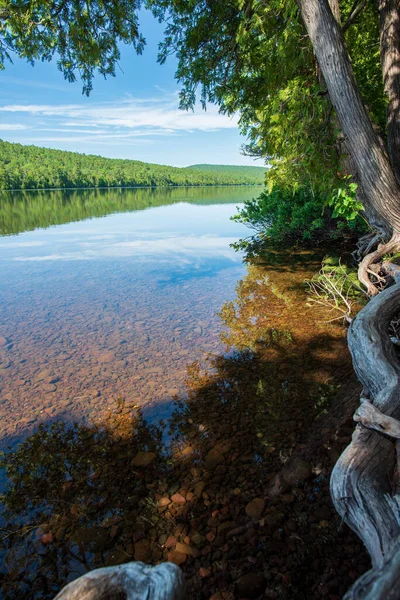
(134,115)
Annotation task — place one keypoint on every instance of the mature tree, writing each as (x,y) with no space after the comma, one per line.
(257,58)
(304,93)
(290,72)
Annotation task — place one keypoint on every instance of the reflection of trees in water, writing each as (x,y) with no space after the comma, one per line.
(97,503)
(24,211)
(69,488)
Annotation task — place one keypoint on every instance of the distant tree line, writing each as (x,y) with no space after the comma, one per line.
(30,167)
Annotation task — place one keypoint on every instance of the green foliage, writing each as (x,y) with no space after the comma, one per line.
(256,59)
(337,288)
(285,217)
(30,167)
(345,204)
(85,37)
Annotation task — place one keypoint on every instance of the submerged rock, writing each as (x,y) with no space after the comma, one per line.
(255,508)
(250,585)
(143,459)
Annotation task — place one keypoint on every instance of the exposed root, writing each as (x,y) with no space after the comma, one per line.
(372,418)
(334,290)
(364,482)
(366,266)
(365,244)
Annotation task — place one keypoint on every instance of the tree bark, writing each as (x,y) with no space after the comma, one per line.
(132,581)
(378,183)
(365,480)
(390,60)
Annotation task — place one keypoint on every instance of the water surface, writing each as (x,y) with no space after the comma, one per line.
(109,295)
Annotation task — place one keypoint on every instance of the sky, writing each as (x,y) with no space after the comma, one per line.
(134,115)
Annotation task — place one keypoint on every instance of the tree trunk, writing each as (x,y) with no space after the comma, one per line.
(365,480)
(390,59)
(132,581)
(374,172)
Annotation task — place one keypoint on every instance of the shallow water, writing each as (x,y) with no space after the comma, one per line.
(112,323)
(110,307)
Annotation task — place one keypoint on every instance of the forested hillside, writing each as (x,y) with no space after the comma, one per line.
(30,167)
(243,171)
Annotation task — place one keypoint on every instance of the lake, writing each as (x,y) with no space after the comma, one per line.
(108,295)
(159,387)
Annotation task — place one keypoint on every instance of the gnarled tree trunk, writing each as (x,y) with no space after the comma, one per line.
(365,480)
(364,483)
(132,581)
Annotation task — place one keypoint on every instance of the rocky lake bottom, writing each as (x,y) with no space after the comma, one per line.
(188,410)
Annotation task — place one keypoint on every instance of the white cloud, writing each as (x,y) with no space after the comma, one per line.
(145,115)
(12,126)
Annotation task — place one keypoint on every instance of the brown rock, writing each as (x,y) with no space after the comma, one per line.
(255,508)
(210,536)
(197,538)
(185,549)
(3,341)
(48,387)
(176,557)
(198,488)
(272,518)
(171,542)
(250,585)
(214,457)
(297,471)
(142,550)
(47,538)
(226,527)
(322,513)
(164,501)
(178,499)
(203,573)
(45,374)
(143,459)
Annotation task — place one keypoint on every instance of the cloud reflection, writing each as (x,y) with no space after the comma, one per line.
(185,248)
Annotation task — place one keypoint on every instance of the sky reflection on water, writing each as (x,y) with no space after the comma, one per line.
(111,307)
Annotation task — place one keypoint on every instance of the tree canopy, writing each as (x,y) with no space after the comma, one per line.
(256,58)
(83,36)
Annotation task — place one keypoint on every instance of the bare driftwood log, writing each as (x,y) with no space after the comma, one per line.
(365,480)
(132,581)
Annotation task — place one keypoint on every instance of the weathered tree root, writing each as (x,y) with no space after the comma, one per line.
(365,245)
(364,482)
(365,267)
(132,581)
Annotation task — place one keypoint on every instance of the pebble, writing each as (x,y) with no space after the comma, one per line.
(143,459)
(142,550)
(176,557)
(250,585)
(255,507)
(178,499)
